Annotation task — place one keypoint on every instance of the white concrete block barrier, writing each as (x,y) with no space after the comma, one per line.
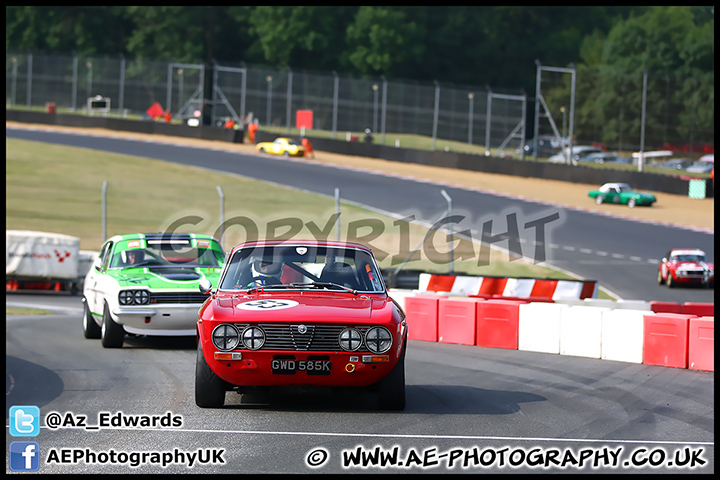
(623,335)
(539,327)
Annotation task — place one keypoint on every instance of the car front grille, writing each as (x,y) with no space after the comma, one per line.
(286,337)
(177,297)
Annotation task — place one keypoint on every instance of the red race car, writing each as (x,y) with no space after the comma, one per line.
(686,266)
(300,314)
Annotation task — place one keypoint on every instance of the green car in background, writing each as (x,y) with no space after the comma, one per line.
(621,193)
(147,284)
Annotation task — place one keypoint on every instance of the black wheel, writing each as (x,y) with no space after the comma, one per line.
(660,279)
(112,335)
(262,150)
(209,388)
(670,282)
(90,327)
(391,389)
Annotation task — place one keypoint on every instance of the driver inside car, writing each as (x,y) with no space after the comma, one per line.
(266,272)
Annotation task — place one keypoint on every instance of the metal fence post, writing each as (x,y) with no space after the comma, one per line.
(435,113)
(288,107)
(336,87)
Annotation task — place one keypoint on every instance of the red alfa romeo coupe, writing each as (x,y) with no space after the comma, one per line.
(300,314)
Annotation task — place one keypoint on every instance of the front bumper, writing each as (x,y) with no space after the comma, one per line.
(161,320)
(261,368)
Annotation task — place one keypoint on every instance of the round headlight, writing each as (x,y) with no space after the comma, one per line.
(141,297)
(350,339)
(253,337)
(126,297)
(378,339)
(225,337)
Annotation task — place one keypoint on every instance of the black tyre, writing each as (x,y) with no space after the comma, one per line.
(209,388)
(90,327)
(391,389)
(670,282)
(112,335)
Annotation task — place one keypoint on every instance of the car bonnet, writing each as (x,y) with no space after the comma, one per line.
(308,307)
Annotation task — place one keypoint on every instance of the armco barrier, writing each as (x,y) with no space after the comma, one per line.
(701,344)
(698,309)
(421,315)
(581,331)
(539,327)
(665,340)
(622,335)
(456,320)
(497,323)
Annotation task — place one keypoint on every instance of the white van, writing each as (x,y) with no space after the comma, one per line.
(578,152)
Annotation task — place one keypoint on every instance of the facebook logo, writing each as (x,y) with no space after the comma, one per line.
(24,456)
(24,421)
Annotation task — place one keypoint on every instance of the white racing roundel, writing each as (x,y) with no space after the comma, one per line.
(262,305)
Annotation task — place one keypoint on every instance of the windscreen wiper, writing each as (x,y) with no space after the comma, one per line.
(327,285)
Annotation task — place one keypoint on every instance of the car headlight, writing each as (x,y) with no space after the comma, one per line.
(225,337)
(253,338)
(378,339)
(350,339)
(134,297)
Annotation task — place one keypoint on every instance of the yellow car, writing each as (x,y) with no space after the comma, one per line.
(282,146)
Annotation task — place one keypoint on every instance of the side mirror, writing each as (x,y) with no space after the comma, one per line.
(205,285)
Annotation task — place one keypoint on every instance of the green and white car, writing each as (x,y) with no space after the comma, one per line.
(147,284)
(621,193)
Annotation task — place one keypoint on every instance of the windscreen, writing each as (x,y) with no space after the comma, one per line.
(184,252)
(302,267)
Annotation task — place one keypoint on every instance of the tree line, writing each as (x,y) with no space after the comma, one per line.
(495,46)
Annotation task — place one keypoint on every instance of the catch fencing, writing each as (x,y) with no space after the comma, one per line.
(342,105)
(624,111)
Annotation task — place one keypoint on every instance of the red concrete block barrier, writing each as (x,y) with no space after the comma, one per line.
(666,307)
(497,323)
(701,344)
(456,320)
(698,309)
(421,315)
(665,339)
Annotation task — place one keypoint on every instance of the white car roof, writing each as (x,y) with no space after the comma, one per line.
(616,185)
(686,251)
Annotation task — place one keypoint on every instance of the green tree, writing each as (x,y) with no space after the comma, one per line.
(84,30)
(382,39)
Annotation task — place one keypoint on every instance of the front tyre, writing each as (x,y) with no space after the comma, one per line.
(391,389)
(660,278)
(599,200)
(209,388)
(90,327)
(112,335)
(632,202)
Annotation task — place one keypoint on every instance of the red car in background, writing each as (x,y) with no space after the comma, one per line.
(300,314)
(686,266)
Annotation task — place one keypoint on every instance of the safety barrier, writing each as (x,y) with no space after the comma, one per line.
(508,287)
(701,344)
(624,331)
